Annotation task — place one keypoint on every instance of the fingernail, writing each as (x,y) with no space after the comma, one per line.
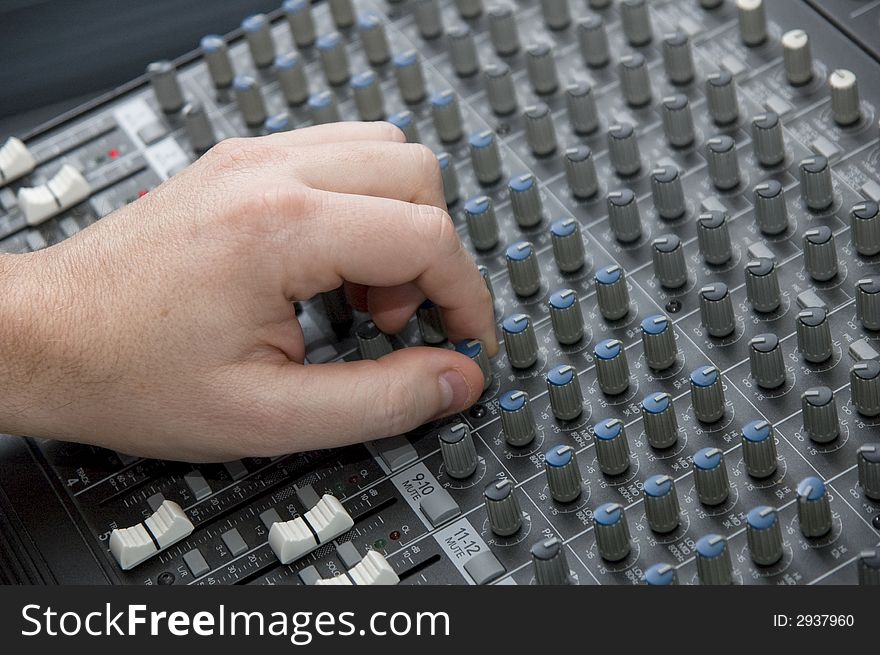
(456,391)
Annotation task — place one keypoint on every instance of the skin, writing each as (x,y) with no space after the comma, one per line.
(166,329)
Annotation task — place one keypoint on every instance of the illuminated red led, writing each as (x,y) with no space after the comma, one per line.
(395,536)
(142,193)
(113,153)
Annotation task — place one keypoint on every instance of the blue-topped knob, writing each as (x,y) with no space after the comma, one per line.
(523,269)
(612,446)
(525,200)
(250,100)
(713,561)
(322,106)
(710,476)
(661,575)
(660,420)
(368,96)
(764,535)
(371,29)
(759,449)
(564,388)
(485,159)
(301,22)
(447,116)
(517,418)
(482,224)
(405,121)
(334,58)
(277,123)
(568,245)
(814,508)
(410,76)
(215,52)
(707,394)
(291,73)
(450,181)
(612,368)
(566,316)
(612,532)
(661,504)
(612,293)
(658,340)
(563,474)
(519,341)
(258,34)
(473,348)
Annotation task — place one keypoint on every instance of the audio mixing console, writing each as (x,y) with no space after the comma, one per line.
(674,204)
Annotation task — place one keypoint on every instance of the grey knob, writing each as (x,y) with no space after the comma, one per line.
(707,394)
(636,20)
(525,200)
(462,51)
(612,369)
(661,575)
(451,189)
(446,116)
(410,76)
(166,87)
(430,320)
(710,476)
(868,458)
(716,310)
(660,420)
(759,449)
(752,22)
(502,29)
(368,96)
(767,139)
(814,335)
(764,536)
(669,264)
(215,52)
(865,224)
(658,340)
(864,379)
(557,14)
(612,532)
(678,124)
(372,342)
(713,560)
(566,316)
(374,40)
(678,59)
(766,361)
(868,301)
(721,98)
(485,159)
(845,104)
(819,409)
(198,127)
(771,211)
(250,100)
(869,567)
(519,341)
(612,293)
(667,192)
(291,73)
(502,507)
(762,285)
(623,149)
(323,108)
(473,348)
(523,269)
(820,253)
(661,504)
(405,121)
(580,172)
(593,41)
(816,186)
(540,133)
(564,388)
(612,446)
(713,237)
(549,563)
(481,222)
(484,273)
(723,162)
(258,34)
(797,57)
(541,67)
(469,8)
(500,90)
(300,21)
(568,245)
(428,18)
(635,80)
(334,58)
(457,448)
(581,107)
(814,508)
(343,13)
(517,419)
(623,216)
(563,474)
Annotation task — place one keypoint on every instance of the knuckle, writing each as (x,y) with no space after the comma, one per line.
(436,226)
(399,407)
(392,133)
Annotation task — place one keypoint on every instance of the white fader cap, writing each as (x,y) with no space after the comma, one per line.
(166,526)
(293,539)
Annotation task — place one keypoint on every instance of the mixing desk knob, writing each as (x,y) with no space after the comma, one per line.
(759,449)
(678,59)
(405,121)
(368,96)
(481,222)
(762,285)
(428,19)
(323,108)
(661,575)
(869,567)
(410,77)
(658,340)
(300,21)
(797,57)
(566,316)
(549,562)
(541,67)
(667,192)
(540,133)
(865,225)
(814,335)
(474,349)
(373,38)
(721,98)
(517,419)
(258,34)
(502,30)
(723,162)
(525,200)
(502,507)
(343,13)
(580,172)
(563,474)
(612,293)
(458,450)
(581,107)
(519,341)
(430,321)
(819,406)
(487,278)
(678,124)
(446,115)
(500,89)
(845,106)
(669,264)
(713,237)
(166,86)
(450,179)
(813,508)
(707,394)
(659,419)
(766,362)
(593,41)
(635,80)
(816,186)
(612,446)
(612,532)
(716,310)
(868,301)
(215,52)
(623,216)
(710,476)
(291,72)
(485,159)
(463,51)
(713,558)
(564,388)
(250,100)
(661,504)
(864,378)
(568,245)
(198,127)
(623,149)
(612,369)
(523,269)
(557,14)
(636,20)
(771,212)
(764,536)
(469,8)
(372,342)
(752,22)
(767,139)
(334,58)
(869,470)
